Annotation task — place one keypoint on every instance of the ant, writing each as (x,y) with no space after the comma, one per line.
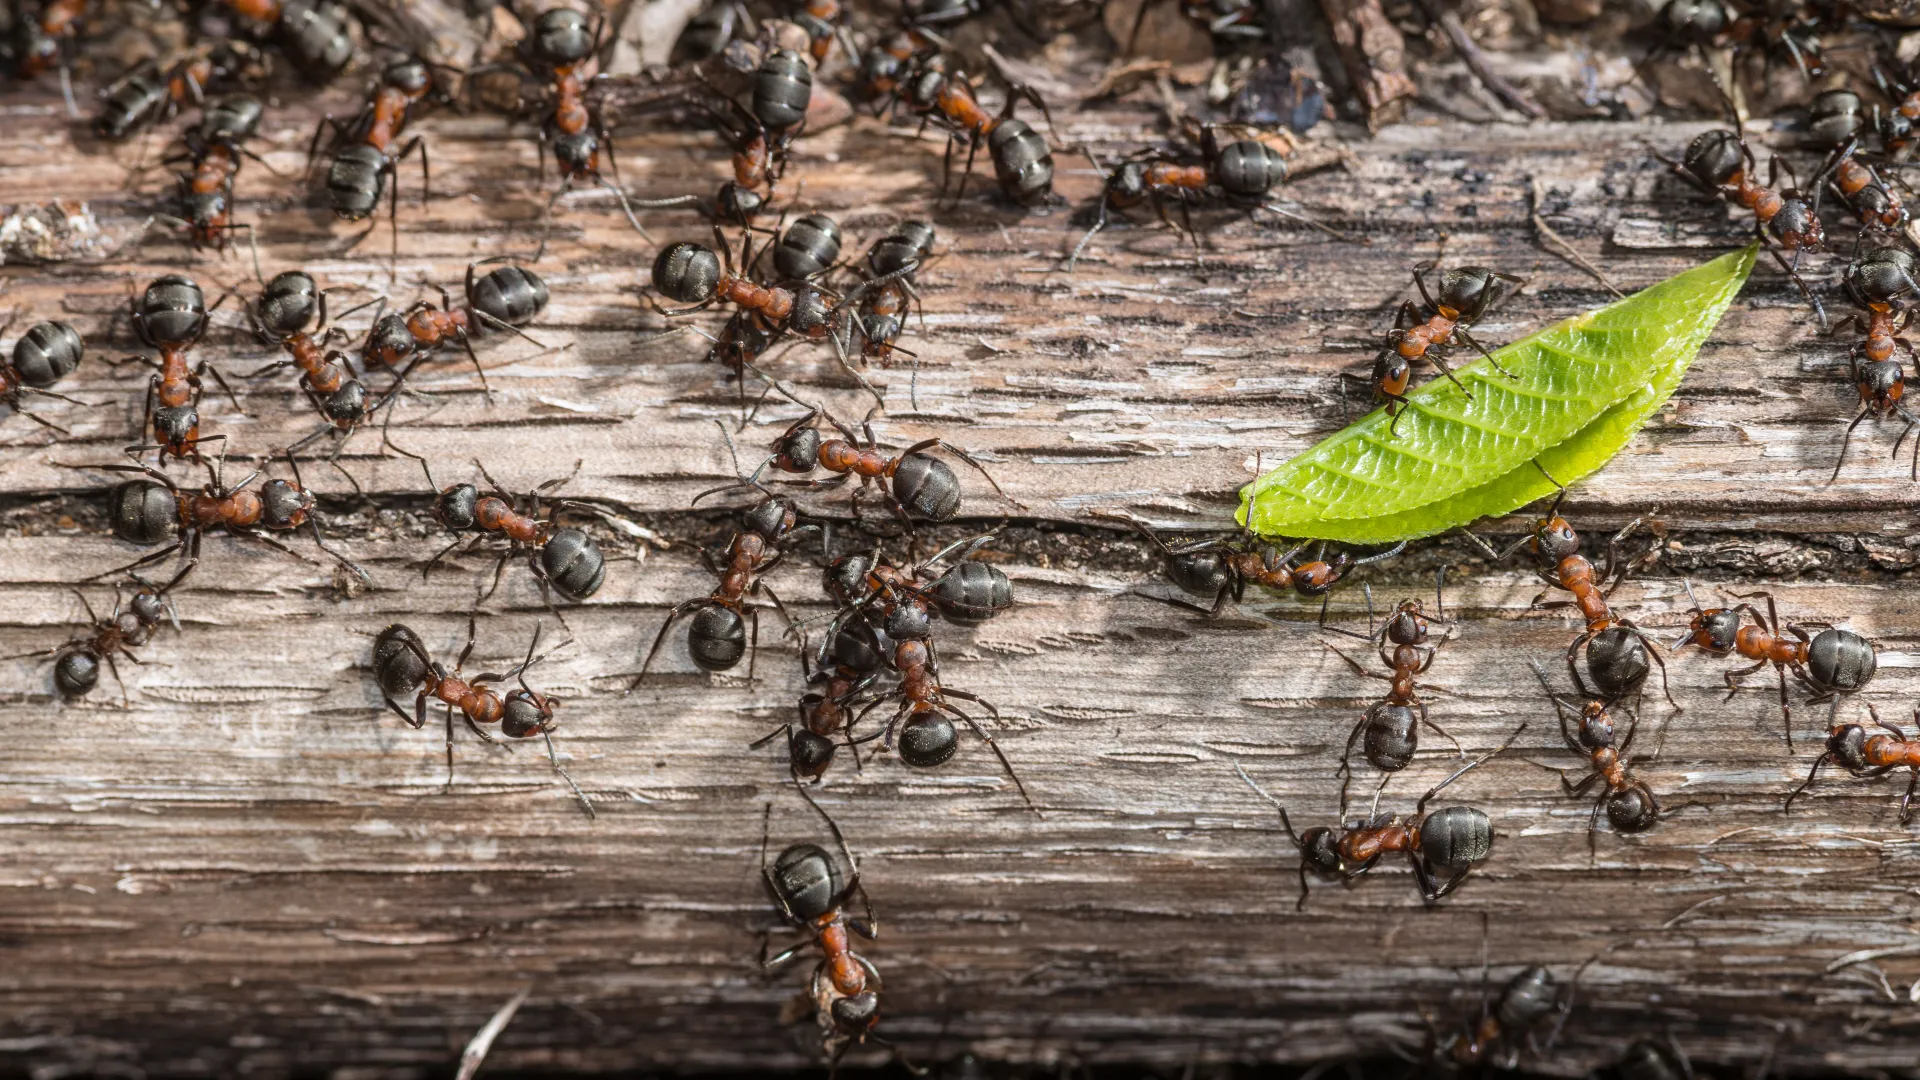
(825,23)
(1392,724)
(1242,173)
(213,153)
(782,91)
(916,482)
(692,274)
(155,510)
(1865,756)
(506,298)
(1617,649)
(76,664)
(312,33)
(1222,568)
(47,40)
(1898,132)
(401,664)
(1832,663)
(966,593)
(1863,191)
(1509,1023)
(1629,803)
(565,558)
(287,306)
(1684,24)
(1022,161)
(717,637)
(894,261)
(364,154)
(851,661)
(1646,1059)
(1467,295)
(148,94)
(171,316)
(1453,840)
(45,354)
(1721,164)
(815,894)
(1881,285)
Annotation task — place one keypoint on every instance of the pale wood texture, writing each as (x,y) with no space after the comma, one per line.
(254,867)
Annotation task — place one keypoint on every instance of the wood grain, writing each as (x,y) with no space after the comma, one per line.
(253,868)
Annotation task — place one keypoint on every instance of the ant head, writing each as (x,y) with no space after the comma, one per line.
(172,312)
(391,342)
(455,507)
(76,673)
(284,506)
(687,272)
(288,304)
(1715,157)
(810,754)
(1391,370)
(1408,624)
(1894,127)
(347,405)
(1320,850)
(1882,279)
(1848,745)
(1128,184)
(909,620)
(878,331)
(923,86)
(771,518)
(1472,291)
(527,714)
(927,740)
(845,578)
(147,607)
(1457,838)
(1796,225)
(738,203)
(176,425)
(1554,539)
(1834,116)
(1714,629)
(1632,808)
(855,1015)
(1596,726)
(807,880)
(1319,577)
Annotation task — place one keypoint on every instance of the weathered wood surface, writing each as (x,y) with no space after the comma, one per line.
(253,868)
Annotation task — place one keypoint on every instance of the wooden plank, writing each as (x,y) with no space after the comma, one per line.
(253,867)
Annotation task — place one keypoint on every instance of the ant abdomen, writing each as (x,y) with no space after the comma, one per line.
(76,674)
(144,512)
(926,485)
(1714,157)
(511,294)
(397,665)
(810,754)
(1617,662)
(1457,837)
(1391,735)
(972,592)
(355,180)
(172,312)
(560,36)
(573,563)
(1840,660)
(782,90)
(1632,808)
(1022,161)
(808,880)
(47,353)
(927,740)
(1249,169)
(716,638)
(687,272)
(808,247)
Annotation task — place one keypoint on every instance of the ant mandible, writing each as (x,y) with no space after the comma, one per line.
(401,664)
(1866,756)
(1617,649)
(76,664)
(1629,803)
(45,354)
(1467,295)
(1454,840)
(1881,284)
(1832,663)
(1222,568)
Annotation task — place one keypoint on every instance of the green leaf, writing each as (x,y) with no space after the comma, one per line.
(1583,388)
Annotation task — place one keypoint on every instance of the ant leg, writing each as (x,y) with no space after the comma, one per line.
(1819,311)
(553,759)
(1422,706)
(1811,773)
(1848,438)
(995,747)
(401,713)
(1437,355)
(449,788)
(679,610)
(1355,664)
(1906,801)
(1471,340)
(1786,709)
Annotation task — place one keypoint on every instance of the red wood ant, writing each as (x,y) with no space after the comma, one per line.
(44,41)
(151,93)
(1451,841)
(1866,756)
(1508,1024)
(718,635)
(76,664)
(155,510)
(171,315)
(1392,724)
(815,895)
(916,482)
(1719,163)
(288,306)
(401,664)
(564,558)
(214,150)
(506,298)
(1617,649)
(1629,803)
(1881,284)
(1222,568)
(1242,173)
(1022,161)
(851,661)
(1467,295)
(312,33)
(364,149)
(1684,24)
(45,354)
(1831,664)
(756,166)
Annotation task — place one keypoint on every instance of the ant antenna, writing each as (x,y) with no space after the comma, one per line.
(1463,770)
